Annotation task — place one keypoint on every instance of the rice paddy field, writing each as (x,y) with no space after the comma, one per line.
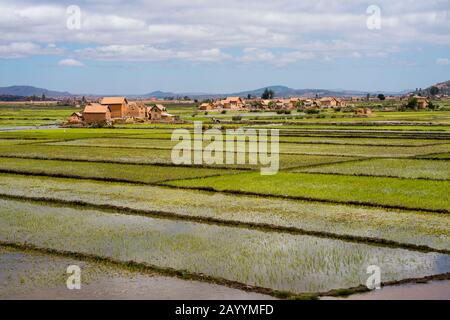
(350,193)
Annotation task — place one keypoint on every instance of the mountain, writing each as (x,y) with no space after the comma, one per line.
(26,91)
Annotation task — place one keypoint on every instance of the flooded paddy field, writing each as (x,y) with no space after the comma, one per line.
(112,201)
(34,275)
(433,290)
(403,227)
(294,263)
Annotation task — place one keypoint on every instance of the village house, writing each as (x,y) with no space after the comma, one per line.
(75,118)
(422,102)
(311,104)
(206,106)
(232,103)
(136,110)
(96,113)
(265,104)
(328,102)
(294,102)
(159,113)
(124,112)
(117,105)
(332,102)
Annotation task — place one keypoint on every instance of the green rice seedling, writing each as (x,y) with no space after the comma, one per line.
(376,191)
(279,261)
(105,171)
(402,227)
(403,168)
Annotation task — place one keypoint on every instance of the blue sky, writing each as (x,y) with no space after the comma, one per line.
(135,47)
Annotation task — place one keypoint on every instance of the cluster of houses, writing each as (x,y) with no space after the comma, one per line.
(237,103)
(119,110)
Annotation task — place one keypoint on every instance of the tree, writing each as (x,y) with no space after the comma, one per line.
(43,97)
(412,104)
(249,96)
(299,104)
(433,106)
(267,94)
(434,90)
(381,97)
(272,105)
(368,97)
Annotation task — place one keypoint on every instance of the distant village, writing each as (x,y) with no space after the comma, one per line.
(110,110)
(118,110)
(301,103)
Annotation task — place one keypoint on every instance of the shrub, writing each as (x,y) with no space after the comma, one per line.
(223,111)
(347,109)
(236,118)
(312,111)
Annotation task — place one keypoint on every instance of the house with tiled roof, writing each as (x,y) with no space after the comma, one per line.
(96,113)
(117,105)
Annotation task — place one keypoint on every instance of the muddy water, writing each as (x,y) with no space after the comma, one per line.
(27,275)
(434,290)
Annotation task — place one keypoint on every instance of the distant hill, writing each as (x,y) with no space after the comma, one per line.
(283,91)
(26,91)
(444,88)
(160,94)
(280,91)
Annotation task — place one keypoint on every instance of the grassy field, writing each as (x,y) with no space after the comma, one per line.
(444,156)
(143,156)
(318,149)
(417,194)
(402,168)
(106,171)
(38,115)
(350,192)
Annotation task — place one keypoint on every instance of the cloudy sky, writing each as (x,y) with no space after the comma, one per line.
(115,46)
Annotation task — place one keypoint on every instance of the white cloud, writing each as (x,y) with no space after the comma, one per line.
(24,49)
(149,53)
(201,30)
(256,55)
(292,57)
(70,63)
(443,61)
